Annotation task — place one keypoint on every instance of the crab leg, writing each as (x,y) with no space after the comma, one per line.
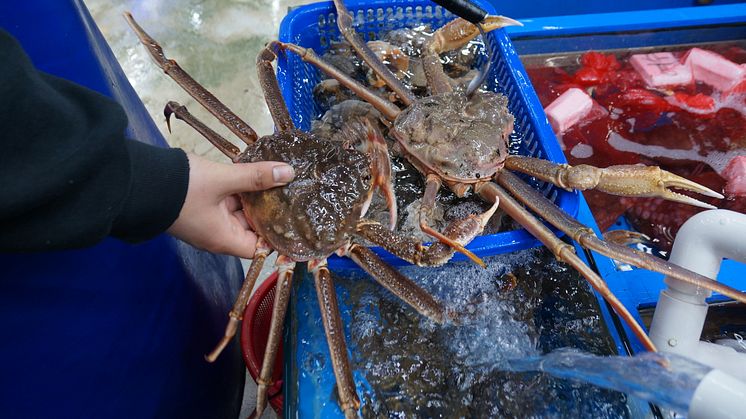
(380,167)
(236,314)
(181,112)
(491,192)
(344,22)
(588,239)
(388,109)
(282,295)
(327,296)
(437,79)
(271,89)
(462,231)
(398,284)
(205,98)
(623,180)
(426,209)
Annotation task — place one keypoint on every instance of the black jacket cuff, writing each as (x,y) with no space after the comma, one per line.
(158,187)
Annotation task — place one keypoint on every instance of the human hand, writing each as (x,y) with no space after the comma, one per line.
(212,217)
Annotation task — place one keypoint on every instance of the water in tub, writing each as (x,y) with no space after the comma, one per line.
(679,107)
(505,359)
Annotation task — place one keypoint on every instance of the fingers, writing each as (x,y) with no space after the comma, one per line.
(241,243)
(233,203)
(211,217)
(247,177)
(241,218)
(238,239)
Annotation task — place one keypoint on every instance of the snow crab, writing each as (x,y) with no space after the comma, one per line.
(461,141)
(319,213)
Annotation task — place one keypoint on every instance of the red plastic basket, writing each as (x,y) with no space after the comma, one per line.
(254,333)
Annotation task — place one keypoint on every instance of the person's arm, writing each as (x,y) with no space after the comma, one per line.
(69,178)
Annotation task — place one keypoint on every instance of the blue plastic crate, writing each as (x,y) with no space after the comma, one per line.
(314,26)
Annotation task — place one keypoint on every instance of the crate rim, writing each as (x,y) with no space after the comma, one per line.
(630,21)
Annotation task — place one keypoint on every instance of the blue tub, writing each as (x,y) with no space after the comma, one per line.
(115,330)
(637,289)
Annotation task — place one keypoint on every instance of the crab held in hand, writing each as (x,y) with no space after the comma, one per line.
(317,214)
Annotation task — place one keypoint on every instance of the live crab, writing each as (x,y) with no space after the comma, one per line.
(317,214)
(419,130)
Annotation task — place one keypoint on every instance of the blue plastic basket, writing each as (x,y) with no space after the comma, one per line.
(314,26)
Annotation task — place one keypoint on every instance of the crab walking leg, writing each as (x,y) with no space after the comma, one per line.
(236,314)
(437,79)
(563,252)
(388,109)
(624,180)
(344,22)
(426,209)
(271,89)
(181,112)
(183,79)
(398,284)
(282,295)
(380,164)
(462,231)
(335,338)
(588,239)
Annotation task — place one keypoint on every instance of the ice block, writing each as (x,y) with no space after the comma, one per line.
(714,69)
(661,69)
(568,109)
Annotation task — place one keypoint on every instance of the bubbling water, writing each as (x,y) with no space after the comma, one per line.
(522,305)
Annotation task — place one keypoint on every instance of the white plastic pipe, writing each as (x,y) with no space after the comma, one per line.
(718,396)
(700,246)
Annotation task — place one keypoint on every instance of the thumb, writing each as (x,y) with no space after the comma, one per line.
(247,177)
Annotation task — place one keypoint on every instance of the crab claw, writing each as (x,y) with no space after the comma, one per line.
(671,180)
(645,181)
(621,180)
(463,231)
(456,33)
(493,22)
(380,164)
(626,237)
(169,110)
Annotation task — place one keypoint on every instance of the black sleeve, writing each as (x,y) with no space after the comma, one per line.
(68,176)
